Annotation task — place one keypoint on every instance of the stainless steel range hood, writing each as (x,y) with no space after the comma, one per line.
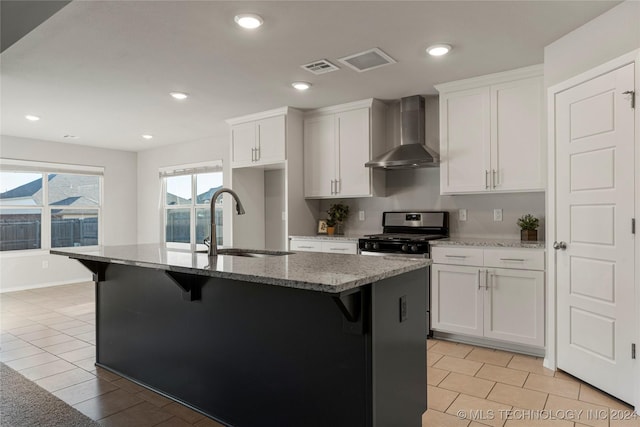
(412,151)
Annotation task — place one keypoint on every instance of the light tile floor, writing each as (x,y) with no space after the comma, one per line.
(48,335)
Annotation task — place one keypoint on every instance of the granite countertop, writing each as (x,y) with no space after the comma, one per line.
(496,243)
(347,238)
(323,272)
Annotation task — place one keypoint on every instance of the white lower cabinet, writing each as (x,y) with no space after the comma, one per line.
(327,246)
(505,304)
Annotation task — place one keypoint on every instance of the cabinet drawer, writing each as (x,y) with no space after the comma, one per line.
(340,247)
(306,245)
(457,256)
(522,259)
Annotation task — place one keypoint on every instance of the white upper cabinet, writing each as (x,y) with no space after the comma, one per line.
(491,133)
(319,156)
(258,141)
(465,141)
(338,141)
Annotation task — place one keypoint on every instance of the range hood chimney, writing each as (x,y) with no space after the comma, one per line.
(412,151)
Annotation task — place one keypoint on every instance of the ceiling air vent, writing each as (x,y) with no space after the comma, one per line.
(367,60)
(320,66)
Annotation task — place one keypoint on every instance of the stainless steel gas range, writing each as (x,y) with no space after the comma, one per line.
(408,234)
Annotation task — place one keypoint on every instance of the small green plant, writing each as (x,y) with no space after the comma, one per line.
(337,213)
(528,222)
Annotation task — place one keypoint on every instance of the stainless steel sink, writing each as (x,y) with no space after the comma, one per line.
(249,253)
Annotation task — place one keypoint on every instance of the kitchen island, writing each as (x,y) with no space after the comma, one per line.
(303,339)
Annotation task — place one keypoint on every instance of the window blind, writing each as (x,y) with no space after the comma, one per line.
(191,169)
(14,165)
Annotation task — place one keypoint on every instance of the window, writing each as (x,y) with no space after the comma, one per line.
(44,205)
(186,198)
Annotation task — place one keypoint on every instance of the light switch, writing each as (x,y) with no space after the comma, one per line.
(361,215)
(497,214)
(462,214)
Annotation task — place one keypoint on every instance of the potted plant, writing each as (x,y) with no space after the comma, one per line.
(528,227)
(337,214)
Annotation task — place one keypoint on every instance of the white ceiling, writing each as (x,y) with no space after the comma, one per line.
(102,70)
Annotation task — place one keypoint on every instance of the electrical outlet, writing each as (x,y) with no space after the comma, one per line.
(497,214)
(45,264)
(462,214)
(361,215)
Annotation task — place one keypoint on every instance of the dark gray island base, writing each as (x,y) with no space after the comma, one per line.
(247,353)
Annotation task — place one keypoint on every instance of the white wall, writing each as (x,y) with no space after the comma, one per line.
(150,161)
(119,210)
(606,37)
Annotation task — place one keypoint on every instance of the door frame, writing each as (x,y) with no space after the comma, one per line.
(550,360)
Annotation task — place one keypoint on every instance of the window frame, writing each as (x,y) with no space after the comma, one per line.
(192,170)
(44,169)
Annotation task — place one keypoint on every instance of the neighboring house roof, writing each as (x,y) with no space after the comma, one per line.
(25,190)
(64,190)
(206,196)
(68,190)
(65,202)
(201,199)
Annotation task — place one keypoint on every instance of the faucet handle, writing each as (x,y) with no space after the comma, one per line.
(207,241)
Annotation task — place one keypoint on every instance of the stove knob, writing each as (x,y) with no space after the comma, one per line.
(376,246)
(414,248)
(367,245)
(405,248)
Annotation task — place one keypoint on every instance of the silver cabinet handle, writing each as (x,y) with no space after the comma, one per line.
(559,245)
(513,259)
(258,153)
(332,185)
(486,280)
(305,247)
(337,249)
(456,256)
(479,279)
(338,186)
(486,179)
(494,180)
(253,154)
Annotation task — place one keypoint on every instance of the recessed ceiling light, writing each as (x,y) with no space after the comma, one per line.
(438,49)
(32,118)
(179,95)
(249,21)
(301,85)
(147,136)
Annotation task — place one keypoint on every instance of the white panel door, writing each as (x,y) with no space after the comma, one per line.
(465,141)
(243,141)
(517,154)
(514,306)
(319,156)
(457,299)
(271,140)
(354,179)
(594,207)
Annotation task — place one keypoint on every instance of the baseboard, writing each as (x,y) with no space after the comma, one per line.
(44,285)
(489,343)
